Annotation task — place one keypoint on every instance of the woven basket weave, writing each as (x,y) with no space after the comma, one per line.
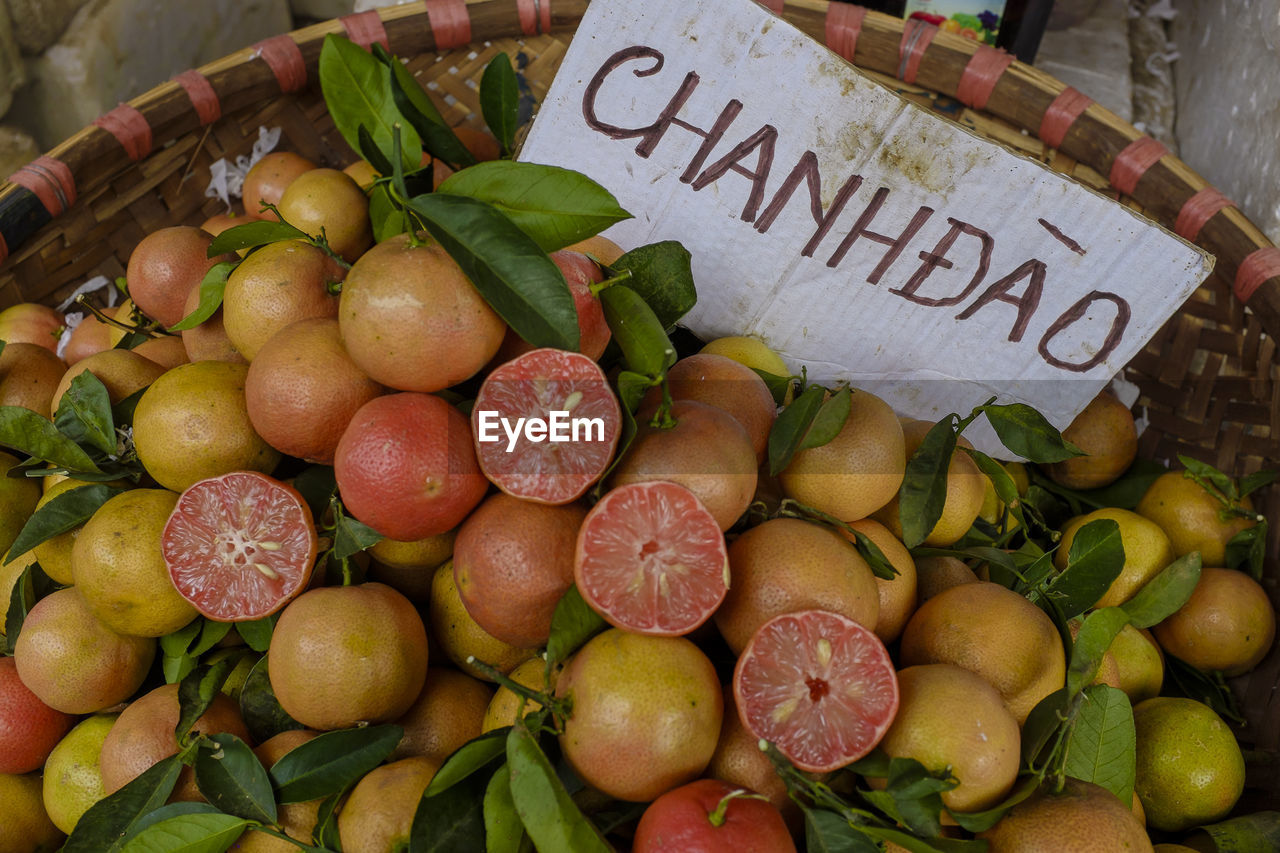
(1208,378)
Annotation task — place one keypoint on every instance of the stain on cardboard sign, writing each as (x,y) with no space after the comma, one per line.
(854,232)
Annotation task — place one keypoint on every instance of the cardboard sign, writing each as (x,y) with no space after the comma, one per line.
(854,232)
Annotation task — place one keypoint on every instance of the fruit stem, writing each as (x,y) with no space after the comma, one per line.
(719,816)
(597,286)
(558,706)
(147,330)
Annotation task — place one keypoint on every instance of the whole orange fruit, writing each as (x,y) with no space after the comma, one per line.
(279,284)
(329,202)
(18,499)
(1147,551)
(707,451)
(1105,431)
(144,734)
(29,729)
(505,704)
(721,382)
(25,826)
(646,713)
(123,372)
(166,266)
(1192,518)
(90,335)
(857,472)
(1081,818)
(165,350)
(345,655)
(412,319)
(513,561)
(298,820)
(993,632)
(1226,626)
(455,633)
(898,594)
(208,341)
(966,486)
(269,178)
(29,377)
(378,814)
(739,761)
(447,713)
(602,248)
(408,567)
(785,565)
(73,662)
(710,815)
(31,323)
(580,272)
(935,574)
(303,389)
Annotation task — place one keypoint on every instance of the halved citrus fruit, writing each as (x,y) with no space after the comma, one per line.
(651,559)
(818,686)
(546,424)
(239,546)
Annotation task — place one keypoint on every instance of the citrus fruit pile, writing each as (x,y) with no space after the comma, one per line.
(388,515)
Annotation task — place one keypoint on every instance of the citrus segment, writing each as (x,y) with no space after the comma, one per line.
(651,559)
(818,686)
(239,546)
(534,386)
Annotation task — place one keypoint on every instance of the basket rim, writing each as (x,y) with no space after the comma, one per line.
(1170,192)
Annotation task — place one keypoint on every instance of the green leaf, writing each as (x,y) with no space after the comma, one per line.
(572,624)
(84,414)
(1025,431)
(912,796)
(556,207)
(256,633)
(503,831)
(472,757)
(1044,721)
(829,421)
(351,536)
(369,151)
(984,820)
(250,235)
(1210,688)
(62,513)
(662,273)
(31,586)
(549,814)
(317,485)
(211,633)
(196,692)
(202,832)
(177,659)
(214,283)
(166,812)
(329,762)
(1210,479)
(416,107)
(232,778)
(1164,594)
(358,91)
(326,829)
(1247,833)
(104,826)
(779,386)
(29,433)
(1006,489)
(874,557)
(262,713)
(511,272)
(1100,748)
(791,426)
(451,821)
(387,217)
(1094,562)
(1250,483)
(1247,550)
(924,486)
(122,412)
(1124,493)
(500,99)
(827,832)
(1096,633)
(638,332)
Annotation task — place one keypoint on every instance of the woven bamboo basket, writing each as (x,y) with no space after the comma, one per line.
(1207,379)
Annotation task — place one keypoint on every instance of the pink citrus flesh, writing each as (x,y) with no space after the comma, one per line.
(819,687)
(651,559)
(239,546)
(535,385)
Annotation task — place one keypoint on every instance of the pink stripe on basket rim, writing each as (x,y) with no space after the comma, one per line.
(1134,161)
(1258,267)
(450,23)
(365,29)
(535,16)
(1061,114)
(51,181)
(284,58)
(4,249)
(984,70)
(130,129)
(917,35)
(843,26)
(202,94)
(1198,210)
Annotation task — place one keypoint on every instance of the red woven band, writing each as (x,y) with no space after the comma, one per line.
(284,58)
(365,29)
(130,128)
(1134,161)
(980,76)
(203,97)
(843,26)
(1198,210)
(774,6)
(916,37)
(4,248)
(450,23)
(1062,113)
(50,180)
(535,16)
(1258,267)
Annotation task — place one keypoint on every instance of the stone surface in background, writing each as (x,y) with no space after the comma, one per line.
(116,49)
(325,9)
(38,23)
(1228,90)
(17,149)
(1153,56)
(1094,56)
(12,71)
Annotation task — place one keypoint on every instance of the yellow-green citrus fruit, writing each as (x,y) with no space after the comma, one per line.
(25,827)
(1139,662)
(1146,551)
(1227,626)
(1190,516)
(1081,818)
(1190,771)
(72,778)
